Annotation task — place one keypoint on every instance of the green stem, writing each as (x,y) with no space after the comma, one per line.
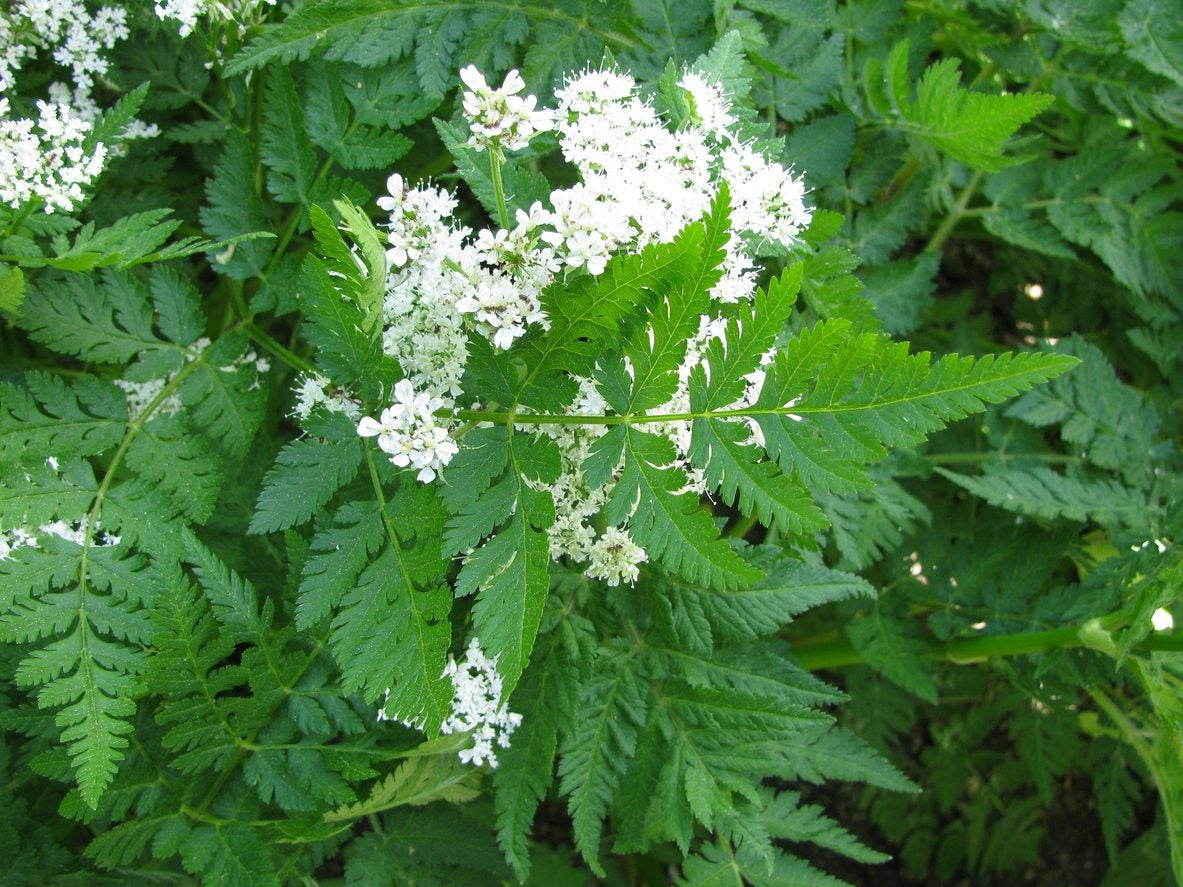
(841,653)
(742,526)
(959,210)
(1045,203)
(293,360)
(905,174)
(496,159)
(1129,730)
(21,217)
(977,458)
(512,417)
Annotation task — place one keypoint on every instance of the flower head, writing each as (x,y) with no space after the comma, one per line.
(477,707)
(710,109)
(408,433)
(615,557)
(498,118)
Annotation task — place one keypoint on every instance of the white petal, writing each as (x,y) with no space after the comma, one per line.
(513,83)
(404,392)
(473,79)
(368,427)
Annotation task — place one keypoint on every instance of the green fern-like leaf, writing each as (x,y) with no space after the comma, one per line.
(229,852)
(871,523)
(340,551)
(1038,491)
(89,612)
(334,127)
(878,639)
(589,316)
(750,335)
(834,753)
(1152,32)
(438,36)
(191,674)
(234,208)
(1100,419)
(391,631)
(223,397)
(546,701)
(50,417)
(656,352)
(418,781)
(291,162)
(419,846)
(336,325)
(12,289)
(830,405)
(48,493)
(970,127)
(790,820)
(105,319)
(182,465)
(743,477)
(612,707)
(670,526)
(490,494)
(306,475)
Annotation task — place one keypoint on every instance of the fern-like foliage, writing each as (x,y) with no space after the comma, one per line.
(491,493)
(391,631)
(438,37)
(678,731)
(80,607)
(828,406)
(80,599)
(970,127)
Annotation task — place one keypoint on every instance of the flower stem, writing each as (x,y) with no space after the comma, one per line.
(496,159)
(265,340)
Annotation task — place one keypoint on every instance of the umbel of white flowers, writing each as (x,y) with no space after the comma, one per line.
(477,708)
(46,159)
(640,182)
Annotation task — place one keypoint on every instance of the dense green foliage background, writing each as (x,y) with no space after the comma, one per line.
(198,702)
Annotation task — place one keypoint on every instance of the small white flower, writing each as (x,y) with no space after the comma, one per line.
(710,109)
(615,558)
(408,432)
(388,430)
(499,118)
(477,707)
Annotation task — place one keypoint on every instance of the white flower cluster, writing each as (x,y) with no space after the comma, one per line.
(46,159)
(498,118)
(615,558)
(313,390)
(640,182)
(408,433)
(78,38)
(442,283)
(477,707)
(187,12)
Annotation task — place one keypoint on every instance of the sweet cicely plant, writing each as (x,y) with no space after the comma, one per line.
(445,477)
(537,411)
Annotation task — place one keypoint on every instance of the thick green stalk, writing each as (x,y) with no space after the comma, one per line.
(841,653)
(496,159)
